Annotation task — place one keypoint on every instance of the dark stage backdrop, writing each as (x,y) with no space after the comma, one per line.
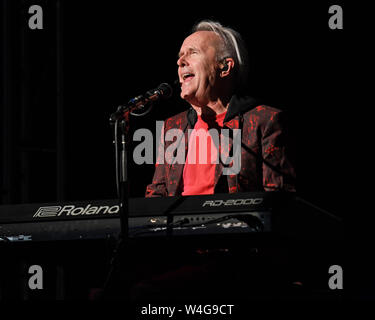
(61,84)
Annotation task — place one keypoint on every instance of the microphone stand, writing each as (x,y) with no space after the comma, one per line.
(120,122)
(120,119)
(123,182)
(122,116)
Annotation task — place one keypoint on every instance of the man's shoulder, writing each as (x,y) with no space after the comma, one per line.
(263,113)
(177,121)
(263,109)
(249,106)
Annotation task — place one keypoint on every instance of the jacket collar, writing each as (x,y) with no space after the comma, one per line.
(237,105)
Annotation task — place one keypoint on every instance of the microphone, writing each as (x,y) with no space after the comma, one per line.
(163,91)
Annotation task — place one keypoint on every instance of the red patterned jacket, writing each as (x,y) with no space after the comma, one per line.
(265,163)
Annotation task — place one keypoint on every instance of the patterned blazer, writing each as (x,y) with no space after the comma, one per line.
(265,161)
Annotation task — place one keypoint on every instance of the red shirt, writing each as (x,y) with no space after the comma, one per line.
(199,169)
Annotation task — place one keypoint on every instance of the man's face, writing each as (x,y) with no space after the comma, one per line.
(197,67)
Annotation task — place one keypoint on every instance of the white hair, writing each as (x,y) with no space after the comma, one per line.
(233,46)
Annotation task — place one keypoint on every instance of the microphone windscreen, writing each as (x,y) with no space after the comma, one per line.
(166,90)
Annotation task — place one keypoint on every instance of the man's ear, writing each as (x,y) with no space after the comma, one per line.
(226,67)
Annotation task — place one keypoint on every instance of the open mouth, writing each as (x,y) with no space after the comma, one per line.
(187,76)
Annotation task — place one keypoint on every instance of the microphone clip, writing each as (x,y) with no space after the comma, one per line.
(139,102)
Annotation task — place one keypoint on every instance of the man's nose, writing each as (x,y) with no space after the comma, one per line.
(182,62)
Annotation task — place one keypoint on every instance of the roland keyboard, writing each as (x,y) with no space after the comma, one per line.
(218,214)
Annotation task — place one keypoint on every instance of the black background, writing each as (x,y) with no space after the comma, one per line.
(112,51)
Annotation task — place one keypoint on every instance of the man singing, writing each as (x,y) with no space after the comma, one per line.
(212,70)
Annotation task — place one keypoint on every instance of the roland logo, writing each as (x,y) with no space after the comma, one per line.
(233,202)
(72,210)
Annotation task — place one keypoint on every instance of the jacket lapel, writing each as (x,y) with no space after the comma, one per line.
(237,105)
(225,151)
(177,169)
